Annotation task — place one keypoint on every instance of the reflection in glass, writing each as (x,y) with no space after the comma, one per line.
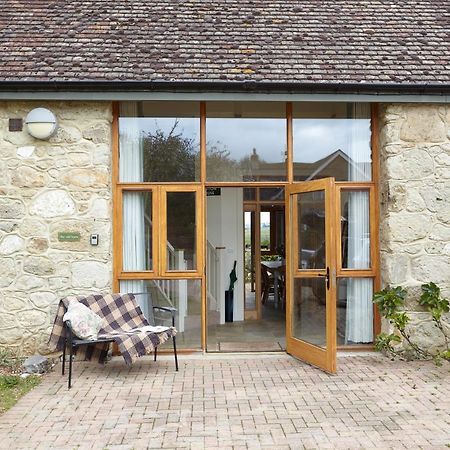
(355,229)
(272,194)
(137,231)
(249,194)
(245,141)
(309,311)
(280,233)
(159,142)
(332,140)
(181,235)
(311,230)
(184,295)
(354,311)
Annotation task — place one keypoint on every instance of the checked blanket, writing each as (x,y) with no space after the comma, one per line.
(122,316)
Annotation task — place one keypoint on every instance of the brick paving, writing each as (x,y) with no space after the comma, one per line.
(236,401)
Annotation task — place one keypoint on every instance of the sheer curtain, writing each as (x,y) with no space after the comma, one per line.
(131,170)
(359,313)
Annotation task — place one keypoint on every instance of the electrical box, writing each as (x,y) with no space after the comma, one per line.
(94,239)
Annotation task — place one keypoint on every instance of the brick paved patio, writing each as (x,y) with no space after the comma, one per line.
(224,401)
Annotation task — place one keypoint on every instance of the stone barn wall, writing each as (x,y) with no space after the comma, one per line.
(415,204)
(46,187)
(64,184)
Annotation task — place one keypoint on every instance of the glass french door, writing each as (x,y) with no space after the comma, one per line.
(311,273)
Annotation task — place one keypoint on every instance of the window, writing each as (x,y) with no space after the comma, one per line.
(159,142)
(245,141)
(332,140)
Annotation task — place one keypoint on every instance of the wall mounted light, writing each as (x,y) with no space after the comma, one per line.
(41,123)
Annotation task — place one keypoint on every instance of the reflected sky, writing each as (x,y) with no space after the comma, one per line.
(241,136)
(316,138)
(313,138)
(186,127)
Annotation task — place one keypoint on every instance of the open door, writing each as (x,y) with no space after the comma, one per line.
(311,273)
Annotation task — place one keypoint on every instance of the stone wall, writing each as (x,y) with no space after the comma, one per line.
(415,204)
(63,184)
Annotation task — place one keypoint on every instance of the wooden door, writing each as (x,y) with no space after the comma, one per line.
(311,273)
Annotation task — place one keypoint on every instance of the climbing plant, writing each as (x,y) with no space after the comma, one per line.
(391,304)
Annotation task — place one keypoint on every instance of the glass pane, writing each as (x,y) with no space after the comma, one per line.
(159,141)
(137,231)
(245,141)
(265,231)
(354,311)
(181,236)
(184,295)
(280,232)
(332,140)
(309,310)
(355,229)
(272,194)
(311,230)
(249,194)
(249,261)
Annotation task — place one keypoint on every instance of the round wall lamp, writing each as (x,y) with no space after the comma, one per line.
(41,123)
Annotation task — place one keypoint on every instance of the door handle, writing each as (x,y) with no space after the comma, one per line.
(327,277)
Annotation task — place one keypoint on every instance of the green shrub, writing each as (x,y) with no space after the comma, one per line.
(391,303)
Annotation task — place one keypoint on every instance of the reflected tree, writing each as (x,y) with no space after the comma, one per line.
(169,156)
(219,163)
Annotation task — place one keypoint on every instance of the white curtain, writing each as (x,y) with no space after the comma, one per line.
(131,170)
(359,313)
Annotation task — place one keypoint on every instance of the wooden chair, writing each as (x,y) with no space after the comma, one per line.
(266,284)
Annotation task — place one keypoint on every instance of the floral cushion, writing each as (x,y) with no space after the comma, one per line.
(85,323)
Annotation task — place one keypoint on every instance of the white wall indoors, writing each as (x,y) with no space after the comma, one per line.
(224,222)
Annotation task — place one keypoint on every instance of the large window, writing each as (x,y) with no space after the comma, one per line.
(170,152)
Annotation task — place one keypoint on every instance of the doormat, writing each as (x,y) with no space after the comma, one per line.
(261,346)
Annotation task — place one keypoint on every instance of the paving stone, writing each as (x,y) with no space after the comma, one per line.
(153,407)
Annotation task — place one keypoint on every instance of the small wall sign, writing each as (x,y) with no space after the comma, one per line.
(213,191)
(69,236)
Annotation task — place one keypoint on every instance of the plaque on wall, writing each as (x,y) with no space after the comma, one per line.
(69,236)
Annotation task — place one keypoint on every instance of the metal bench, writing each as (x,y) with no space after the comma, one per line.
(72,342)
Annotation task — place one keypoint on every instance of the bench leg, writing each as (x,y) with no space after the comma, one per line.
(155,352)
(70,365)
(175,353)
(64,358)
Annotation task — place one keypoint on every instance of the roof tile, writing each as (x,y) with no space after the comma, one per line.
(348,41)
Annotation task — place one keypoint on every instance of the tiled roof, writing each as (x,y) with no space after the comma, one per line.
(324,41)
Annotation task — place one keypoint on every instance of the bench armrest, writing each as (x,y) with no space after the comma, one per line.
(168,309)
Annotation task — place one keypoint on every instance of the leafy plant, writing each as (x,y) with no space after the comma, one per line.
(391,303)
(384,342)
(390,300)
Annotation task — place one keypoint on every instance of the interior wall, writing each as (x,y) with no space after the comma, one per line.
(225,228)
